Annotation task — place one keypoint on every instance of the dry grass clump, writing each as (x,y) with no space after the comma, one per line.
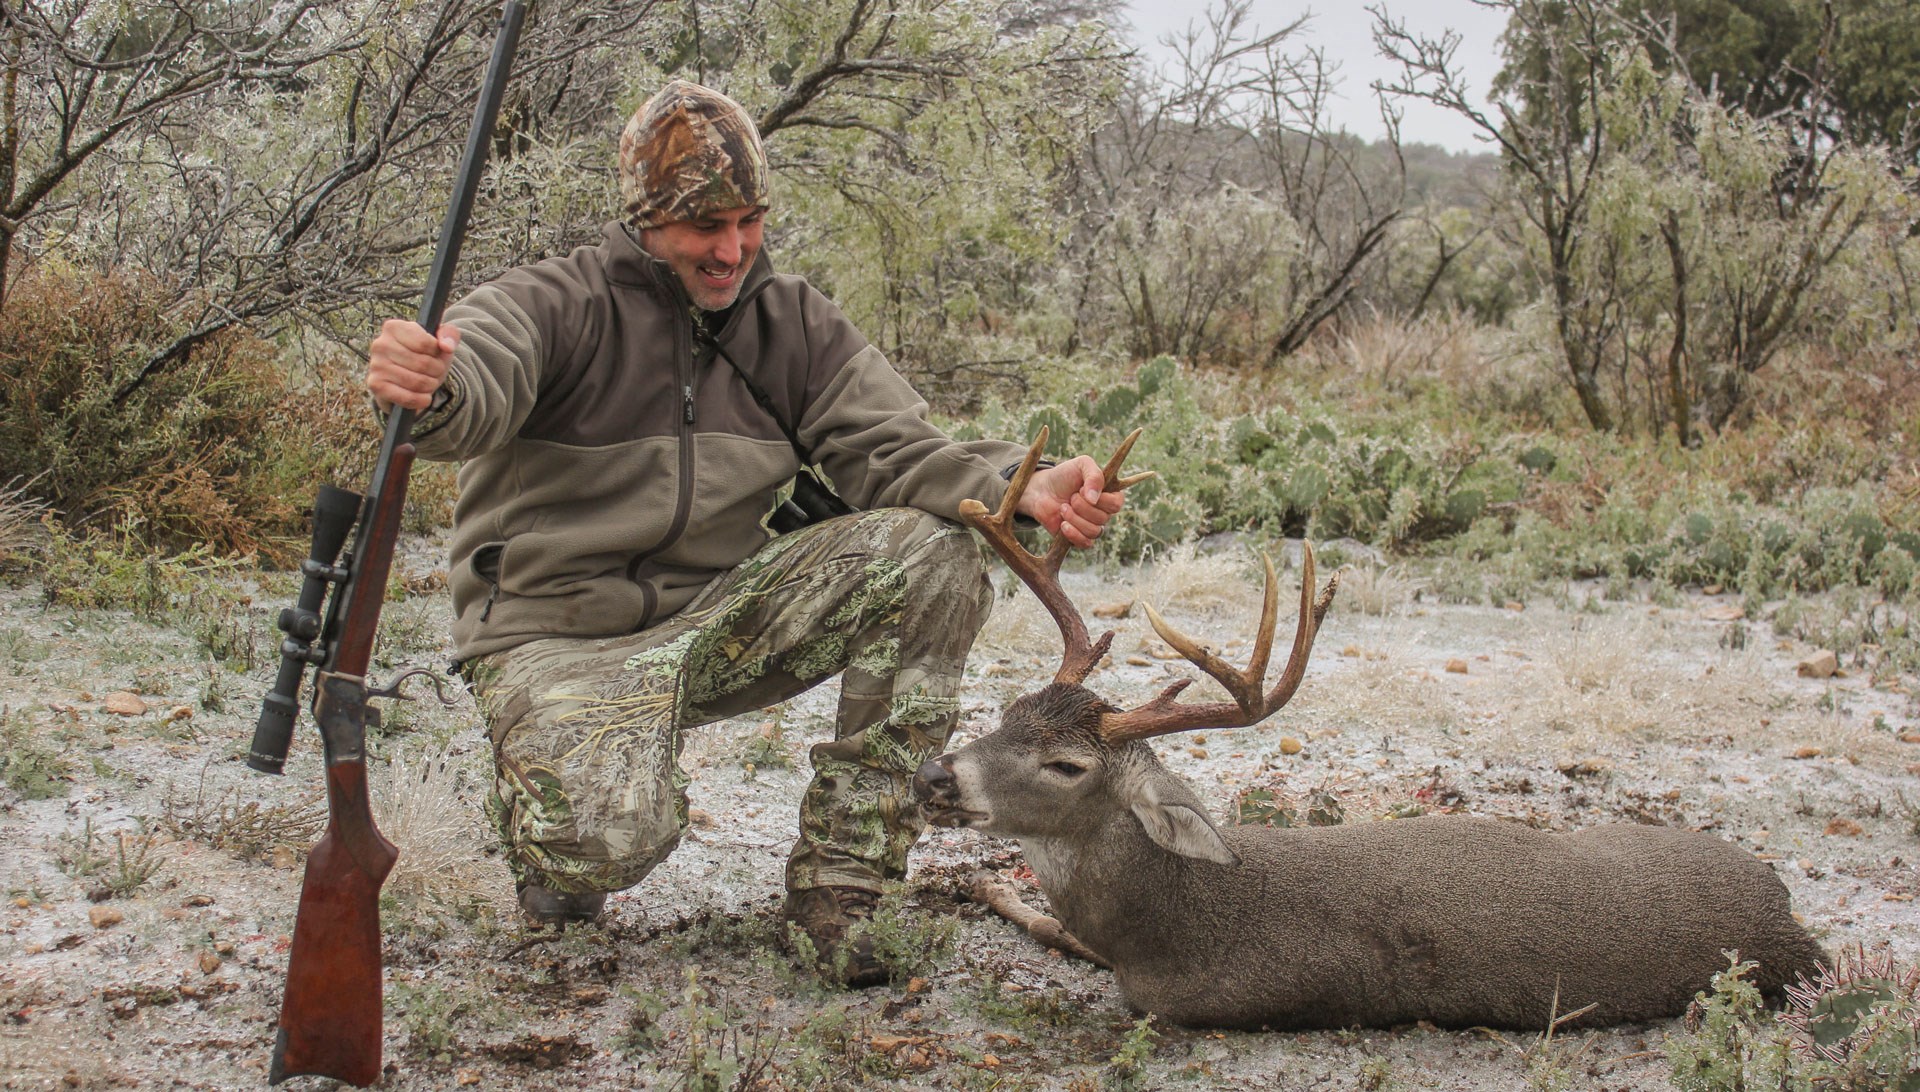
(1380,683)
(21,527)
(1184,580)
(247,829)
(426,808)
(1018,624)
(1390,351)
(1375,590)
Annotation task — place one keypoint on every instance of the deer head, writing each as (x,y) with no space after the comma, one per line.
(1064,761)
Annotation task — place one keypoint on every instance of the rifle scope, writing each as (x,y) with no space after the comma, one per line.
(334,513)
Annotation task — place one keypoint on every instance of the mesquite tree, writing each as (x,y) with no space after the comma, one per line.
(1678,244)
(1222,216)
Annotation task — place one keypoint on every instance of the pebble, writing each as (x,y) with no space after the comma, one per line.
(1821,665)
(124,703)
(105,917)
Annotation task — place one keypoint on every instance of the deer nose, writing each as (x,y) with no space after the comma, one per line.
(934,778)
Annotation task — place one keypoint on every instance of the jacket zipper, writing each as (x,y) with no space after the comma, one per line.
(683,504)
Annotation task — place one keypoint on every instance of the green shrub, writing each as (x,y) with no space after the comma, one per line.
(28,765)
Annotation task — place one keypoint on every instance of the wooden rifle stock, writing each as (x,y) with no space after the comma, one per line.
(330,1018)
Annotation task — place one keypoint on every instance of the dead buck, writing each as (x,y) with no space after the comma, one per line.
(1459,921)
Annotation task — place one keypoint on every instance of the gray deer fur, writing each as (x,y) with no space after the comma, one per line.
(1459,921)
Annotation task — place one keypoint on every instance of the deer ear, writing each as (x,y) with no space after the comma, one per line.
(1178,828)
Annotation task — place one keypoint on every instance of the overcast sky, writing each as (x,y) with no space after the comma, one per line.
(1345,32)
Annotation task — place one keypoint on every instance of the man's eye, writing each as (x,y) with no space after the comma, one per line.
(1068,769)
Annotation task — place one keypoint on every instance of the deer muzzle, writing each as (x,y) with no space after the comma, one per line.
(938,792)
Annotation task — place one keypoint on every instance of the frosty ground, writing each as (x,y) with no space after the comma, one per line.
(150,879)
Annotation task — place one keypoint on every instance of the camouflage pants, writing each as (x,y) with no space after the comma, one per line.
(589,794)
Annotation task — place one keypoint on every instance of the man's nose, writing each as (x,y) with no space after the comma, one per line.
(726,249)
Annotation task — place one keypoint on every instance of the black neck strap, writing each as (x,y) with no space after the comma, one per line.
(761,399)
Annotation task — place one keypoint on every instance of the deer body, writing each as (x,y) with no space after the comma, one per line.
(1462,922)
(1459,921)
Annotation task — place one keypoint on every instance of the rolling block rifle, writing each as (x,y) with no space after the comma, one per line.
(330,1018)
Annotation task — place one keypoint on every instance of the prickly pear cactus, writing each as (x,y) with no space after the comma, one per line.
(1861,1018)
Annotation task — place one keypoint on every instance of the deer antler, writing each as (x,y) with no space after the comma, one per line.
(1041,574)
(1250,704)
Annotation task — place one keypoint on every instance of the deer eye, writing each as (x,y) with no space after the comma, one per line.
(1066,769)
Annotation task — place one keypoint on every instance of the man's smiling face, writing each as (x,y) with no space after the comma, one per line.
(711,255)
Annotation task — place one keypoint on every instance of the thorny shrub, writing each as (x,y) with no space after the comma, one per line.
(1855,1028)
(220,449)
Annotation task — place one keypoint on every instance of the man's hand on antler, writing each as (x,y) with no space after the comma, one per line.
(1069,500)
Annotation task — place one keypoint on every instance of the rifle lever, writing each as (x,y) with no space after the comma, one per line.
(392,689)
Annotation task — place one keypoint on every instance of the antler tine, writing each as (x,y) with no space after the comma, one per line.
(1041,574)
(1110,474)
(1250,705)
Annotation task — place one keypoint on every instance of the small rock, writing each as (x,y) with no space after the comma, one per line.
(1821,665)
(23,903)
(1456,667)
(1289,745)
(1139,661)
(1804,753)
(1351,652)
(284,858)
(105,917)
(1197,752)
(1515,605)
(1113,610)
(918,985)
(1729,613)
(466,1077)
(197,900)
(1842,827)
(180,712)
(123,703)
(1910,737)
(1712,589)
(209,963)
(699,818)
(1160,650)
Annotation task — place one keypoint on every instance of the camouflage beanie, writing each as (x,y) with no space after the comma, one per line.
(688,152)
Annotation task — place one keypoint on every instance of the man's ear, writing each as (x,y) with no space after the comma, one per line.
(1180,829)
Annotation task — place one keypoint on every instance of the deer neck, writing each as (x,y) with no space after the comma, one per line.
(1103,883)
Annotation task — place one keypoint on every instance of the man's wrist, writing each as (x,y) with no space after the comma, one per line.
(1021,519)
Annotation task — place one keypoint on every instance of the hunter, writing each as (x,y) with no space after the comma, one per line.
(625,416)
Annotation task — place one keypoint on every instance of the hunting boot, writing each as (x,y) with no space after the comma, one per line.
(835,919)
(544,906)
